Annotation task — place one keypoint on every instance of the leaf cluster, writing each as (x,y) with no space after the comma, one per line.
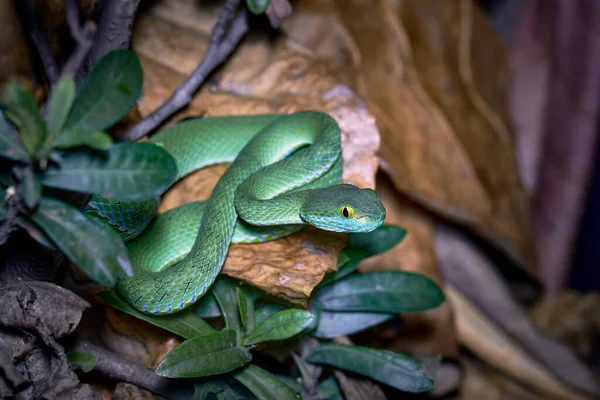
(346,302)
(65,148)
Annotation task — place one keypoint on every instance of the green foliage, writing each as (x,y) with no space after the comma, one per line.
(222,360)
(400,371)
(384,292)
(257,6)
(110,90)
(86,361)
(281,325)
(205,355)
(69,150)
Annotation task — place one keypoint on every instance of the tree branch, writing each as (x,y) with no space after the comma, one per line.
(230,28)
(39,37)
(114,32)
(83,36)
(118,368)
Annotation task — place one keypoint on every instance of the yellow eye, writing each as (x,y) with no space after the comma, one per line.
(346,212)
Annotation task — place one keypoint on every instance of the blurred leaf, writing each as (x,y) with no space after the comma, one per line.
(383,292)
(378,241)
(329,389)
(95,248)
(203,387)
(397,370)
(31,187)
(85,360)
(204,355)
(257,6)
(281,325)
(266,311)
(207,306)
(23,111)
(128,171)
(246,309)
(59,105)
(335,324)
(224,292)
(184,323)
(264,385)
(108,92)
(95,140)
(10,145)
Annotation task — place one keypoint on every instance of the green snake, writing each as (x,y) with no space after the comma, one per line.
(285,173)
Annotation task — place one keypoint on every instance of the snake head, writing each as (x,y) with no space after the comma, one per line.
(343,208)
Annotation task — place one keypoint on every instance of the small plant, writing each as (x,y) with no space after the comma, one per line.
(66,148)
(345,303)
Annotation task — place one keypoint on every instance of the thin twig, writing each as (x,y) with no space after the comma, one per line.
(40,40)
(116,367)
(13,201)
(114,32)
(83,36)
(231,26)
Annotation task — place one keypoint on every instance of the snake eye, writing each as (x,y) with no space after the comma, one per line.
(346,212)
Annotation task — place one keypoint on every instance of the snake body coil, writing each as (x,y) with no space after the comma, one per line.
(285,172)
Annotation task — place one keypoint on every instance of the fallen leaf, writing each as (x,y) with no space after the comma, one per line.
(445,136)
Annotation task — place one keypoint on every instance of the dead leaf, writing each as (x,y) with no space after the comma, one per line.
(171,39)
(476,284)
(445,137)
(501,352)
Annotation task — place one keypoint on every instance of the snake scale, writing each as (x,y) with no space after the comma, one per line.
(285,173)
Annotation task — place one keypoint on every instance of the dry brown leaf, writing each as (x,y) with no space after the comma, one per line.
(500,351)
(445,139)
(170,40)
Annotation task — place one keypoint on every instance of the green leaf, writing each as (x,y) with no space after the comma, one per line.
(94,140)
(224,292)
(204,355)
(383,292)
(108,92)
(127,171)
(335,324)
(207,307)
(378,241)
(85,360)
(59,105)
(329,389)
(266,311)
(257,7)
(22,110)
(397,370)
(264,385)
(281,325)
(203,387)
(184,323)
(10,145)
(94,247)
(31,187)
(246,309)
